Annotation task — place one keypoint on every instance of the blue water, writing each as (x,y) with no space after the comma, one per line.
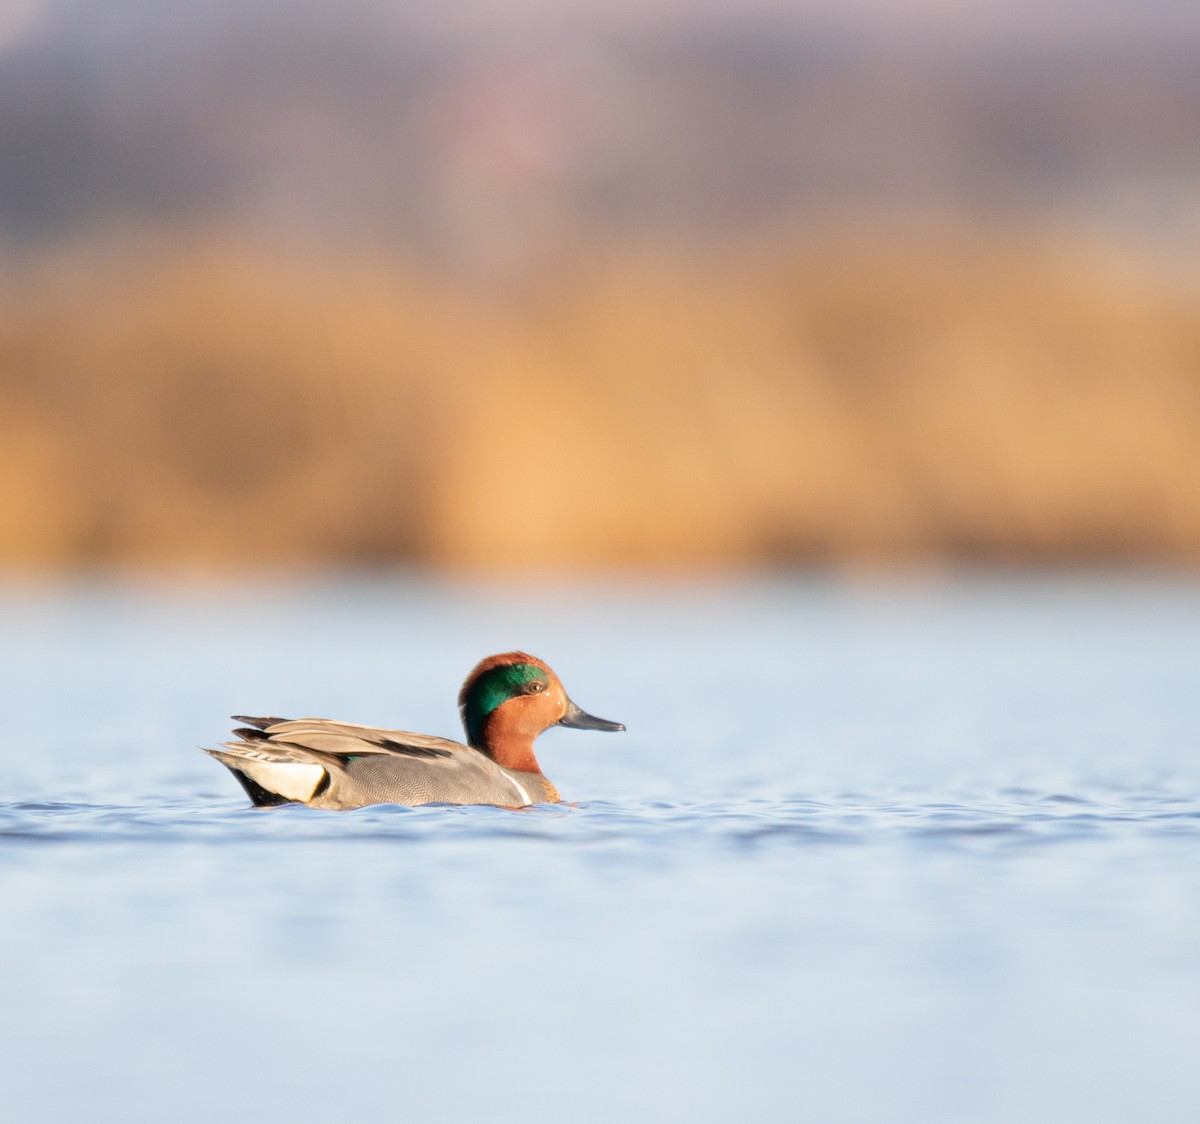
(874,851)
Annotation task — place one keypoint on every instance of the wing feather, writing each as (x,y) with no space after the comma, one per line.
(342,739)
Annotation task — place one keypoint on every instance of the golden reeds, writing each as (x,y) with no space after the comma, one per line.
(837,400)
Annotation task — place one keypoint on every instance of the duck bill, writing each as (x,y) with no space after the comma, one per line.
(579,719)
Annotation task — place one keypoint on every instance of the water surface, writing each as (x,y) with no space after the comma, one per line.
(909,851)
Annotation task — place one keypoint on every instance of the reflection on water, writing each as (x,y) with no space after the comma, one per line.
(913,852)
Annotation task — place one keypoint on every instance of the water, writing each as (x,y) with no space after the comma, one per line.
(912,851)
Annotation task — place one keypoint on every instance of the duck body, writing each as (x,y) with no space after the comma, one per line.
(506,702)
(338,765)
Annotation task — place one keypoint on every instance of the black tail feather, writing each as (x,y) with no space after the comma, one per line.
(259,796)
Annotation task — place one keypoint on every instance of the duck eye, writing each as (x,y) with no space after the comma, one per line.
(536,687)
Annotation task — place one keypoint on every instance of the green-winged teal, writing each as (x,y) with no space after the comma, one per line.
(506,701)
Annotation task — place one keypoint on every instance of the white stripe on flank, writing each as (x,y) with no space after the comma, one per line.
(521,789)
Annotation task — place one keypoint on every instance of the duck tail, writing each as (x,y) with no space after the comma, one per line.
(260,797)
(270,783)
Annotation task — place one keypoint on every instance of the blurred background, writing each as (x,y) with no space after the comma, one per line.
(580,286)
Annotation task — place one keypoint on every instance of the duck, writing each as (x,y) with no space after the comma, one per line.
(505,703)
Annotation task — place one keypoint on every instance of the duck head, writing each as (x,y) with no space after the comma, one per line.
(509,699)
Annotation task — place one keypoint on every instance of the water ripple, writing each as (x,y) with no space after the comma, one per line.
(999,818)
